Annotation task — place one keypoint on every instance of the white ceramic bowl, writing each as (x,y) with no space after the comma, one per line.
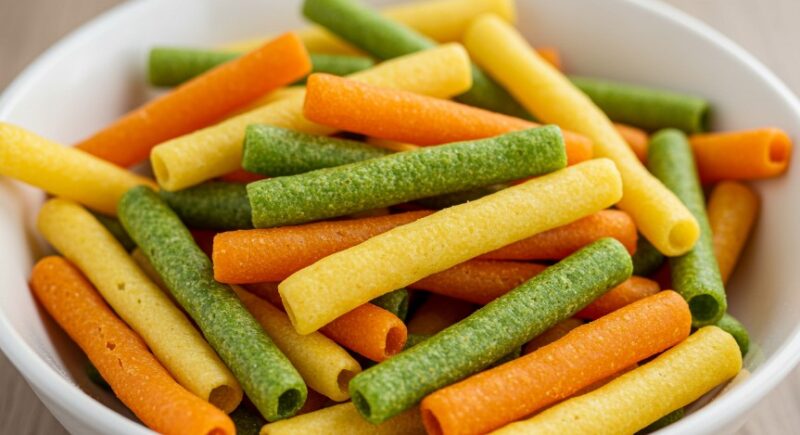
(98,72)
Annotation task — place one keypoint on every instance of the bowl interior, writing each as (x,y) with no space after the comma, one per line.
(99,72)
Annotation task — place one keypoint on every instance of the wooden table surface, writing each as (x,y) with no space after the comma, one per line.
(766,28)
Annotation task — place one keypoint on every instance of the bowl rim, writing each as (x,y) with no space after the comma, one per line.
(715,415)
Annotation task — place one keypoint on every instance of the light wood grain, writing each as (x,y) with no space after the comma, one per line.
(766,28)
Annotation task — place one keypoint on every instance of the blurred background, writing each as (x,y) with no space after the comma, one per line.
(766,28)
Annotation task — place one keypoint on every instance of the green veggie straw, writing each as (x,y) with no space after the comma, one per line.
(664,421)
(247,420)
(171,66)
(732,326)
(415,339)
(395,302)
(115,228)
(384,39)
(275,151)
(647,259)
(493,331)
(644,107)
(406,176)
(695,275)
(265,374)
(215,205)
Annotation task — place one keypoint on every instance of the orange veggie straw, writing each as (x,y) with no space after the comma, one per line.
(201,101)
(630,291)
(368,330)
(479,281)
(732,210)
(552,56)
(741,155)
(412,118)
(636,138)
(558,330)
(560,242)
(272,254)
(120,355)
(438,312)
(241,176)
(584,356)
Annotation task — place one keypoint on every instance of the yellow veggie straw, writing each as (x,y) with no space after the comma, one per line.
(338,283)
(345,419)
(544,91)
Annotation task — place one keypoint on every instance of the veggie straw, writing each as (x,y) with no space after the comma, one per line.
(215,205)
(384,38)
(732,326)
(404,177)
(344,419)
(658,213)
(277,151)
(645,107)
(395,302)
(633,289)
(732,211)
(491,332)
(695,275)
(200,102)
(646,259)
(272,254)
(64,171)
(409,117)
(121,357)
(368,330)
(629,403)
(326,367)
(560,242)
(336,284)
(171,66)
(585,355)
(741,155)
(75,233)
(217,150)
(266,375)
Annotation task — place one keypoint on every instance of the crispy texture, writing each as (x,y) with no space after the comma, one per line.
(493,331)
(215,205)
(695,275)
(263,371)
(632,290)
(273,254)
(77,235)
(367,330)
(636,138)
(121,357)
(338,283)
(585,355)
(560,242)
(64,171)
(403,116)
(200,101)
(326,367)
(217,150)
(555,332)
(344,419)
(732,211)
(402,177)
(629,403)
(741,155)
(549,96)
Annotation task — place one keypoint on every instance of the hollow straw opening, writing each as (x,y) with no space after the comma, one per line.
(160,169)
(361,404)
(225,398)
(289,402)
(343,380)
(778,149)
(432,425)
(395,340)
(682,237)
(703,307)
